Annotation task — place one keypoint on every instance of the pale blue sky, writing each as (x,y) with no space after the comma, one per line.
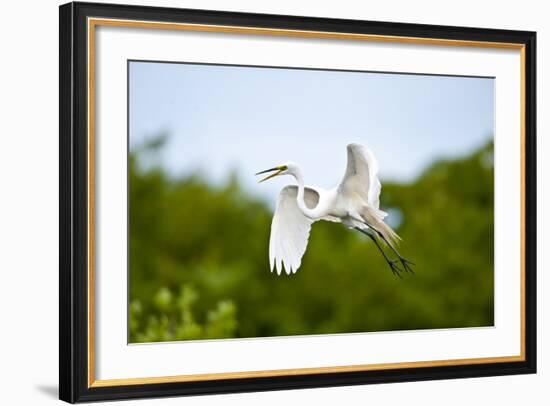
(224,118)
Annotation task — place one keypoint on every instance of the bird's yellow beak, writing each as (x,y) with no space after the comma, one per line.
(278,170)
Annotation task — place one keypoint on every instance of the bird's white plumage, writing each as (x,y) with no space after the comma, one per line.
(354,202)
(361,175)
(290,229)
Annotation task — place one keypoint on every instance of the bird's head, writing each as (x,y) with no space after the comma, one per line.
(286,169)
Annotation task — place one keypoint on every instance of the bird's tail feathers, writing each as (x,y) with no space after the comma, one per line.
(374,218)
(391,236)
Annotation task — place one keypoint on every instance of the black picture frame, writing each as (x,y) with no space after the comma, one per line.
(73,284)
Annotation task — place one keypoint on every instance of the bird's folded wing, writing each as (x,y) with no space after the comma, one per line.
(290,230)
(361,177)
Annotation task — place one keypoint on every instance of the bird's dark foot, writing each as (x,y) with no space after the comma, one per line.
(394,266)
(406,264)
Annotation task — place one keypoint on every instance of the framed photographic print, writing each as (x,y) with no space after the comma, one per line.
(256,202)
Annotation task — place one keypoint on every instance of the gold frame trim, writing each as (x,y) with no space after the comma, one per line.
(94,22)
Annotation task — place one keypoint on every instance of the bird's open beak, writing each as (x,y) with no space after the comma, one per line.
(278,170)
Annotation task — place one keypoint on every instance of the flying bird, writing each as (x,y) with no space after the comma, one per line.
(354,203)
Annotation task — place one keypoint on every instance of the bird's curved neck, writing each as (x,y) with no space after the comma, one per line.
(311,213)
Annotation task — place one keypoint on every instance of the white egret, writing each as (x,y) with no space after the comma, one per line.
(354,203)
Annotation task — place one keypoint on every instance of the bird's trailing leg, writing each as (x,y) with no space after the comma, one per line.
(392,263)
(405,262)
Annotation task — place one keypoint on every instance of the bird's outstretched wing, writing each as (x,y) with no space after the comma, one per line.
(361,176)
(290,230)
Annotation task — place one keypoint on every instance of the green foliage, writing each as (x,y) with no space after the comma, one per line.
(171,318)
(199,259)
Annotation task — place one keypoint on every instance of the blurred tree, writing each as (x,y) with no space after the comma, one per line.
(171,318)
(199,264)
